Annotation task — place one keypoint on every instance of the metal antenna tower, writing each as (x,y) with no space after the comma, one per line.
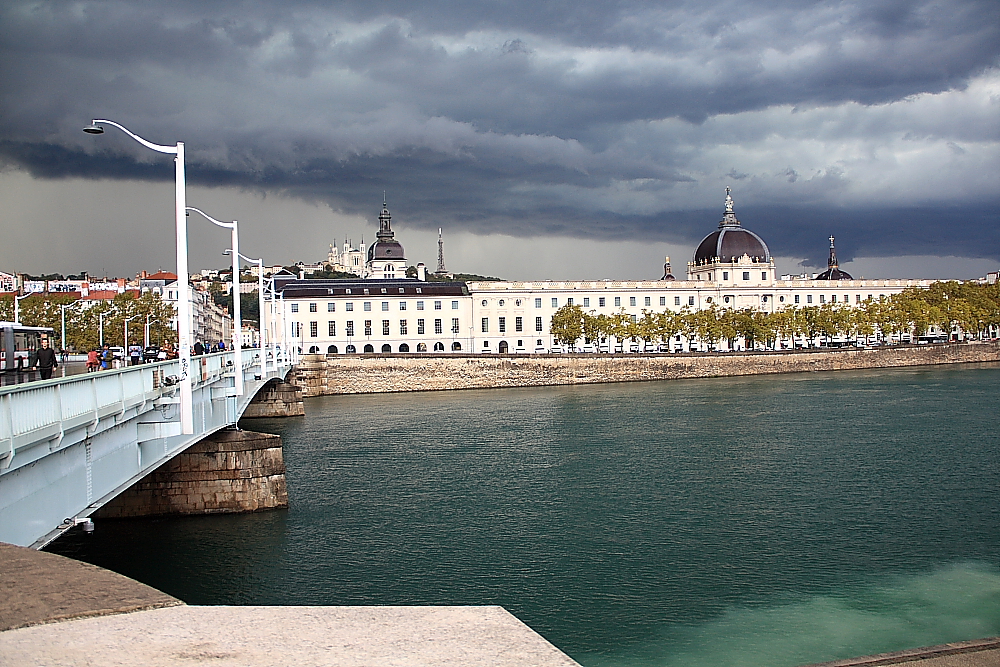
(441,268)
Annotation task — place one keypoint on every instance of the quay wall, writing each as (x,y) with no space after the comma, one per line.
(227,472)
(320,375)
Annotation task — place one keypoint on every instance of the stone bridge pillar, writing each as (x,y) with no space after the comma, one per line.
(276,399)
(227,472)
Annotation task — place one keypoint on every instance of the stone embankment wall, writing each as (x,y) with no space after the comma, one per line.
(227,472)
(321,375)
(277,399)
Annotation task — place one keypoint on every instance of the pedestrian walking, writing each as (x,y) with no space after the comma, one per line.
(199,347)
(45,360)
(93,360)
(107,358)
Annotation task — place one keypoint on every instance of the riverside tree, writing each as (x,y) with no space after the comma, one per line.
(968,307)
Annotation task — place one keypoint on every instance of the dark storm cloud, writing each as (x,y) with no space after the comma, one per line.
(592,119)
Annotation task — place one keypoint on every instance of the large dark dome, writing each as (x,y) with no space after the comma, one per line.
(728,243)
(731,241)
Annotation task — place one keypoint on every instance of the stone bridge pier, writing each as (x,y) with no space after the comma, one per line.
(229,471)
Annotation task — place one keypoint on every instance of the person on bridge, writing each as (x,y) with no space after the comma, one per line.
(45,360)
(93,360)
(107,358)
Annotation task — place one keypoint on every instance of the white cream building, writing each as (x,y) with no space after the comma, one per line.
(732,268)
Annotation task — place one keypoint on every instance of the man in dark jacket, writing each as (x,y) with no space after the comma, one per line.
(45,360)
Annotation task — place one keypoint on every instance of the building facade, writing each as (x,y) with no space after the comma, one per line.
(731,268)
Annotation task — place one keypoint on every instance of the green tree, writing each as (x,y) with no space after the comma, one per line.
(567,325)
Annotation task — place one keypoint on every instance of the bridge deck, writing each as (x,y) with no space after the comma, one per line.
(69,445)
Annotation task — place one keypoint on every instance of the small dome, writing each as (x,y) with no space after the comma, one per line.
(731,241)
(834,273)
(386,249)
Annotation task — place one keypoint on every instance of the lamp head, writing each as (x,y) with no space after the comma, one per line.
(94,128)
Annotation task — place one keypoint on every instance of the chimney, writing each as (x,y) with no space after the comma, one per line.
(421,271)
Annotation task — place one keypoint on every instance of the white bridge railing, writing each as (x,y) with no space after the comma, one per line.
(69,445)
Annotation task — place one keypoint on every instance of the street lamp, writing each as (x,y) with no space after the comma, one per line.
(260,305)
(125,337)
(145,331)
(17,307)
(237,321)
(62,318)
(183,291)
(100,326)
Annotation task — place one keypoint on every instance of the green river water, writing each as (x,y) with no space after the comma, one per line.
(775,520)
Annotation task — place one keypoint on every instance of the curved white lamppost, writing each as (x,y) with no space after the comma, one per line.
(62,320)
(237,317)
(125,338)
(260,303)
(17,306)
(183,290)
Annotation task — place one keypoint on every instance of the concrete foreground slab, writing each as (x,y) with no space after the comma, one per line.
(272,636)
(38,587)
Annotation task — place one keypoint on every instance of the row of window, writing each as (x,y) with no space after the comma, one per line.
(602,302)
(331,306)
(502,324)
(349,329)
(386,349)
(725,275)
(833,298)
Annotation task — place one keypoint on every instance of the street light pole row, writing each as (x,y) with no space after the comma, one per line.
(183,290)
(237,315)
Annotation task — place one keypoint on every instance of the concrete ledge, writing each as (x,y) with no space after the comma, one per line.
(301,636)
(973,653)
(38,587)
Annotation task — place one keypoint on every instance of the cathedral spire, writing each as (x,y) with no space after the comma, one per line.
(831,263)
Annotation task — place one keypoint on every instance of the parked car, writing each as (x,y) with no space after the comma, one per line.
(151,353)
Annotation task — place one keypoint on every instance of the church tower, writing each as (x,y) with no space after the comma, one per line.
(386,258)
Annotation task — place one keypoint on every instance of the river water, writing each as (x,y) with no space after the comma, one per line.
(775,520)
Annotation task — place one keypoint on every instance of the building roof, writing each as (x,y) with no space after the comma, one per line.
(304,289)
(731,241)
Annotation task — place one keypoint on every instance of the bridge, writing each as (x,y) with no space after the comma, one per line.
(70,445)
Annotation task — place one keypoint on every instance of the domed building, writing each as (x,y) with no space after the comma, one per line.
(386,259)
(732,255)
(833,271)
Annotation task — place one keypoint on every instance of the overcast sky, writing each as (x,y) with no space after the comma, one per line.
(548,139)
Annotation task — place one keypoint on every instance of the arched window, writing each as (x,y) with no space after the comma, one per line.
(313,349)
(439,347)
(386,349)
(404,347)
(332,349)
(421,347)
(502,348)
(350,349)
(456,347)
(369,349)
